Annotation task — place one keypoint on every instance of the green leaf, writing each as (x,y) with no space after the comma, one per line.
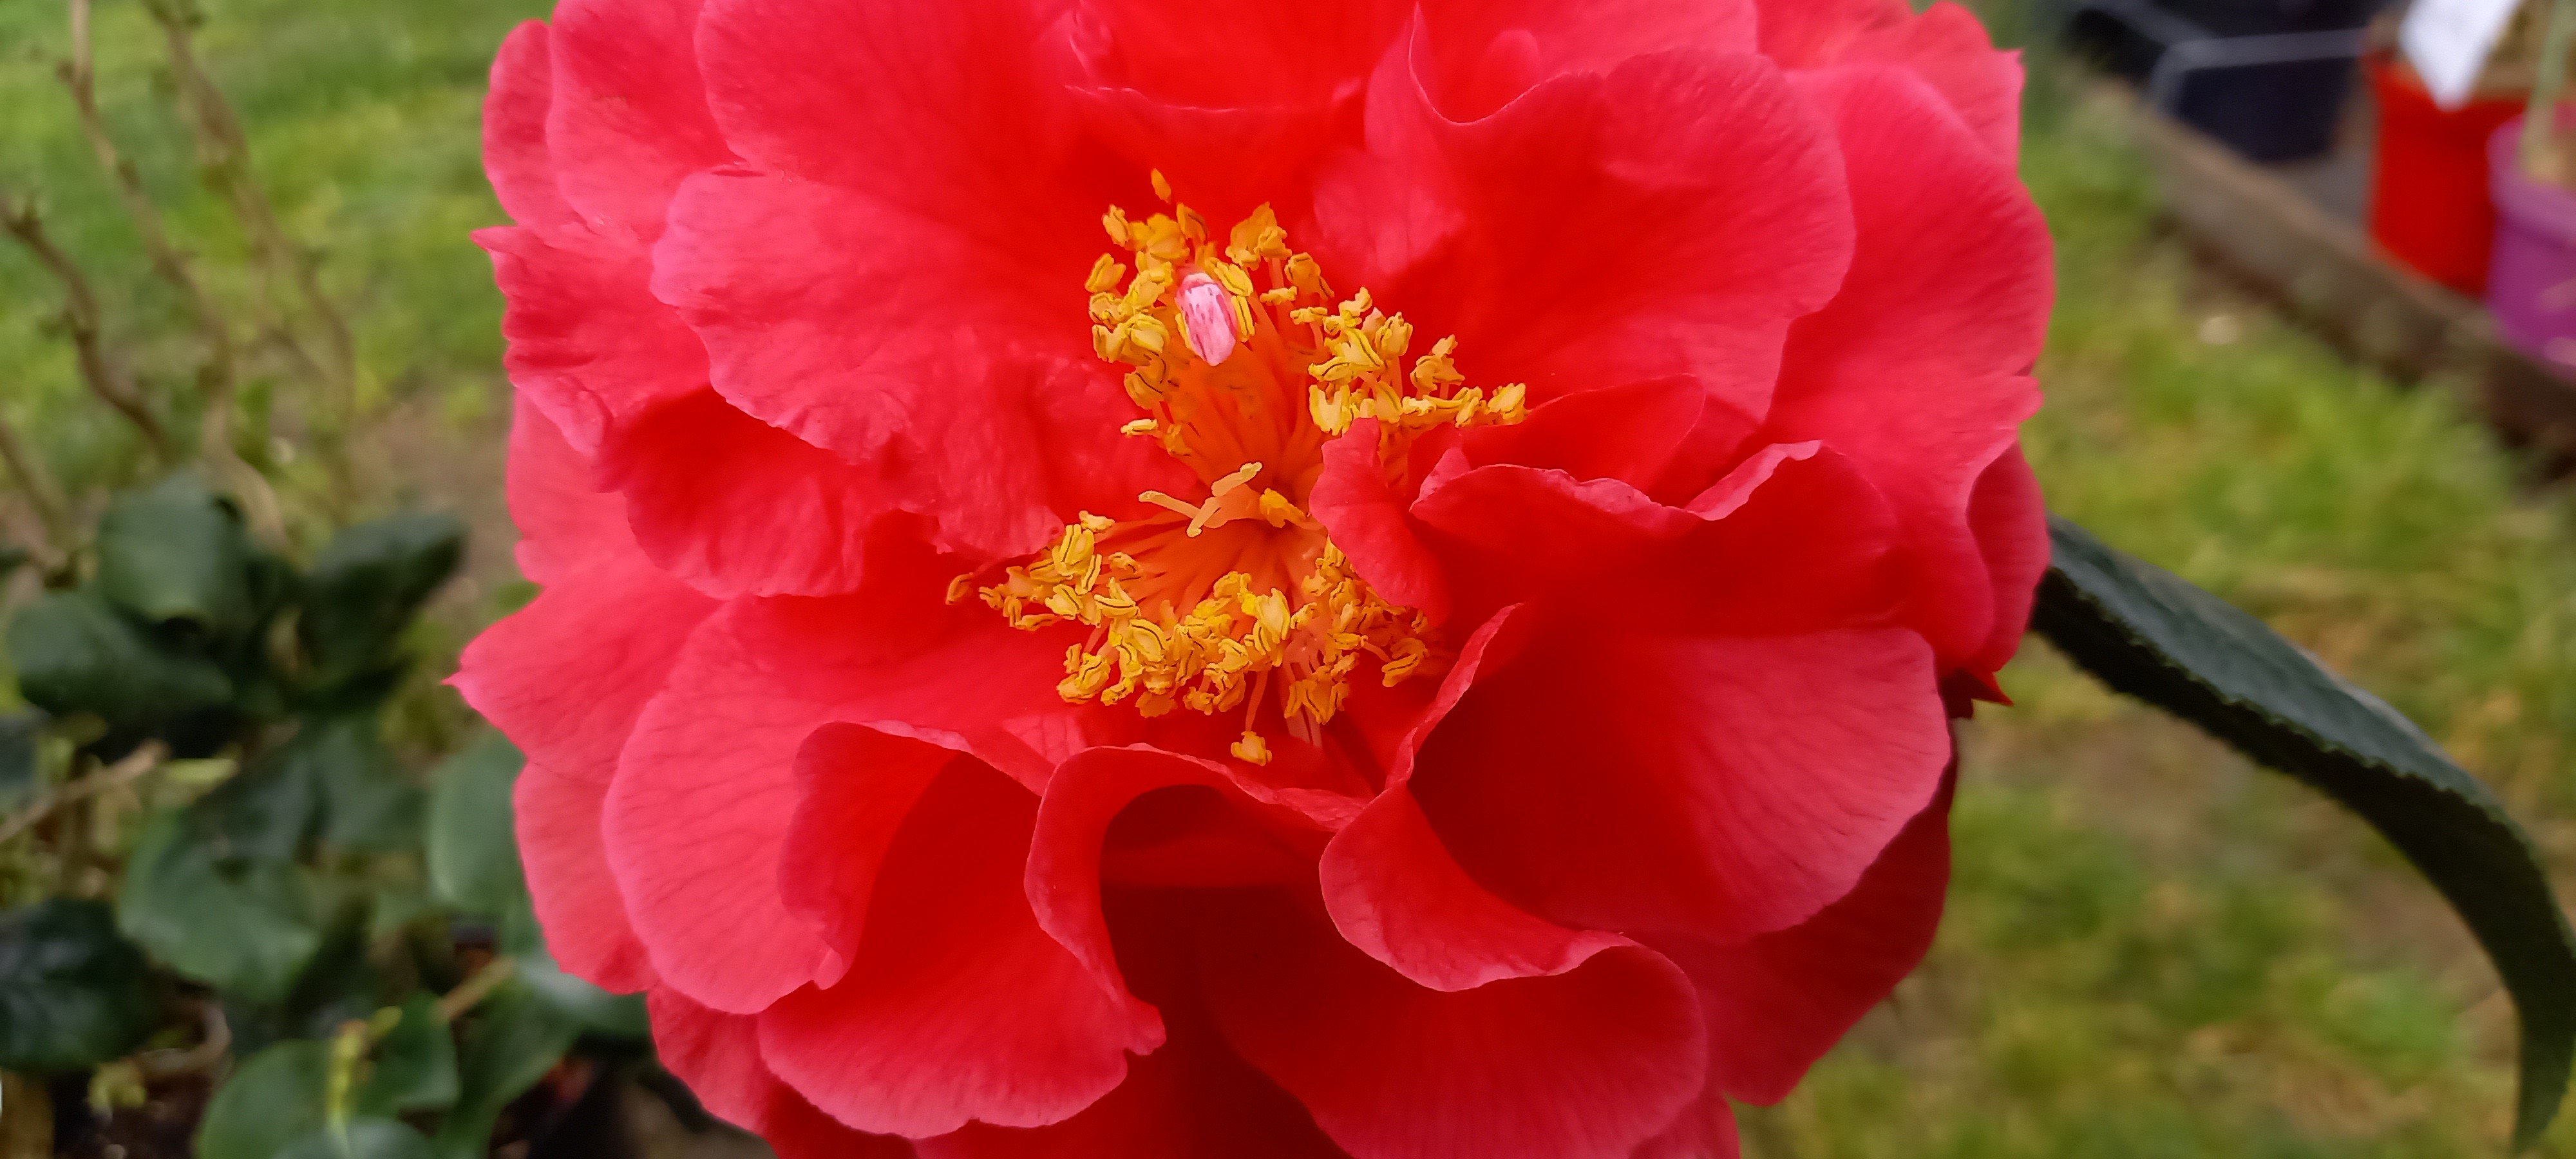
(594,1010)
(473,856)
(415,1065)
(177,554)
(2148,633)
(73,993)
(367,803)
(271,1101)
(266,812)
(74,654)
(248,928)
(19,734)
(361,1139)
(516,1038)
(367,585)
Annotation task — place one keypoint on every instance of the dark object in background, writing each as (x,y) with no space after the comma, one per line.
(2268,77)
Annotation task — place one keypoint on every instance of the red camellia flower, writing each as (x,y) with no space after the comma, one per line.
(1148,578)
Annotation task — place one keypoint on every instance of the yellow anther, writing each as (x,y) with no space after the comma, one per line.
(1106,273)
(1162,188)
(959,587)
(1163,636)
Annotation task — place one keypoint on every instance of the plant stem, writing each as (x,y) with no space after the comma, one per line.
(43,495)
(145,758)
(26,1117)
(215,373)
(225,154)
(456,1002)
(2540,116)
(106,375)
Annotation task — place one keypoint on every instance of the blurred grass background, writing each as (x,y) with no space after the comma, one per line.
(2153,949)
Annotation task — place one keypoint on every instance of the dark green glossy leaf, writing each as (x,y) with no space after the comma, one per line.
(473,857)
(73,992)
(177,554)
(514,1040)
(248,928)
(265,812)
(19,734)
(74,653)
(414,1068)
(2149,634)
(361,1139)
(272,1099)
(367,585)
(367,802)
(595,1010)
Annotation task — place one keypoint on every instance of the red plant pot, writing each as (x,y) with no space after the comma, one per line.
(2428,203)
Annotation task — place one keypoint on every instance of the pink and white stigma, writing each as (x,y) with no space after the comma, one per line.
(1207,313)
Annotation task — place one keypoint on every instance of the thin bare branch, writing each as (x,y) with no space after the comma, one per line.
(225,154)
(216,370)
(106,374)
(456,1002)
(44,496)
(145,758)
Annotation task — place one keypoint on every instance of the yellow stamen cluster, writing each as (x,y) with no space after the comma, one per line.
(1169,640)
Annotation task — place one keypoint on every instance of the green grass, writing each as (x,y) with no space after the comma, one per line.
(2152,948)
(363,123)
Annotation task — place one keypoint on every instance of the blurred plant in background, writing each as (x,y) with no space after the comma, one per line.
(248,910)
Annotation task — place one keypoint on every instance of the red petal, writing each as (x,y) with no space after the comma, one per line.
(565,521)
(1706,1130)
(1777,1003)
(565,678)
(1194,1098)
(738,507)
(1719,788)
(1586,1063)
(956,1006)
(1509,533)
(1949,50)
(629,118)
(1707,194)
(706,790)
(718,1056)
(1811,33)
(1233,135)
(949,110)
(2012,531)
(1480,54)
(1397,895)
(588,344)
(514,130)
(1914,369)
(978,397)
(577,901)
(1628,432)
(1358,505)
(1090,791)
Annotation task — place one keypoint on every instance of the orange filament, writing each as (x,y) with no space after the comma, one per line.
(1244,366)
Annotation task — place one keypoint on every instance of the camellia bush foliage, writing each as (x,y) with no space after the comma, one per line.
(259,894)
(220,855)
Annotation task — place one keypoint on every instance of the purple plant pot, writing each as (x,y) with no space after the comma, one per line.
(2531,283)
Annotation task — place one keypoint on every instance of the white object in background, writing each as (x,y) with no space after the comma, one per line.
(2448,42)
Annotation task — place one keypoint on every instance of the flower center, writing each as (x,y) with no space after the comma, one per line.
(1244,365)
